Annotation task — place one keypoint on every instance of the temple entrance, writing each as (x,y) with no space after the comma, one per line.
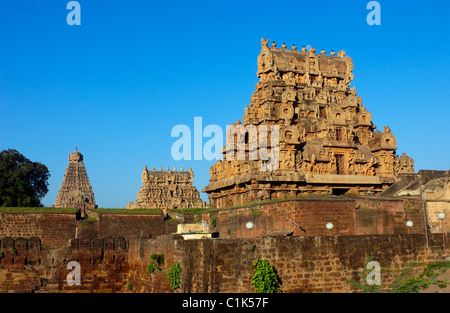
(340,191)
(339,163)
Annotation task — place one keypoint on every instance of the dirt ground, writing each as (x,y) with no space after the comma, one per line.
(436,288)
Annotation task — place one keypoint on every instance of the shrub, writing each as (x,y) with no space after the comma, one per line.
(265,277)
(174,276)
(152,267)
(158,258)
(214,221)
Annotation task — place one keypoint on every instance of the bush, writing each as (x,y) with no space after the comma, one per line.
(265,277)
(214,221)
(152,267)
(174,276)
(158,258)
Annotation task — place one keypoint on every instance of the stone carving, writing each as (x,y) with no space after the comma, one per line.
(167,190)
(324,131)
(76,190)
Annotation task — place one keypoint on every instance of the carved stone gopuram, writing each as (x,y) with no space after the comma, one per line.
(167,190)
(326,144)
(76,190)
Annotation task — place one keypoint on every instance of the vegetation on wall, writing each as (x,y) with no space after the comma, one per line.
(158,258)
(214,221)
(265,277)
(174,276)
(406,281)
(152,267)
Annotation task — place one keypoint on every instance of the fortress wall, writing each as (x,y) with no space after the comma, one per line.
(434,207)
(303,263)
(57,229)
(54,229)
(349,217)
(133,225)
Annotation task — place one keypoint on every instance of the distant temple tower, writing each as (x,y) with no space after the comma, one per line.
(76,190)
(167,190)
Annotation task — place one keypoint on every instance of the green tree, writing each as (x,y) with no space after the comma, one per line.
(23,183)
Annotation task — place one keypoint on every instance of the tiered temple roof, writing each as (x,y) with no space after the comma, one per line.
(76,190)
(167,190)
(327,141)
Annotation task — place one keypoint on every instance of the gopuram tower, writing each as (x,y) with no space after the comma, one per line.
(326,142)
(167,190)
(76,190)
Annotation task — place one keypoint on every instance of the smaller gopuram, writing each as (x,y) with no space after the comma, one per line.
(167,190)
(76,190)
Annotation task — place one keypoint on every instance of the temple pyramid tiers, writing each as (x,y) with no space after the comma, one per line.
(76,190)
(316,128)
(167,190)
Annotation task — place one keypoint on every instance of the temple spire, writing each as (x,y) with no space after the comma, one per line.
(76,190)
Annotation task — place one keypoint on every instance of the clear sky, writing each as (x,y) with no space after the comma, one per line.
(117,84)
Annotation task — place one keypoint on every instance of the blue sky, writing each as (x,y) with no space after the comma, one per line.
(116,85)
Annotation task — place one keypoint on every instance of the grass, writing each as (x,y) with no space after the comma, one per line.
(123,211)
(39,210)
(261,202)
(195,210)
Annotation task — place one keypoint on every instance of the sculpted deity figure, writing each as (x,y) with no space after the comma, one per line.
(351,163)
(318,81)
(299,78)
(145,177)
(289,78)
(307,79)
(312,162)
(369,166)
(350,134)
(332,164)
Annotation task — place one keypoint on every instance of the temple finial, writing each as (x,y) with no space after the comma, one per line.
(76,149)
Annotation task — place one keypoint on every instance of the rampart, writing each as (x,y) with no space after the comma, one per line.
(57,229)
(303,263)
(308,217)
(114,249)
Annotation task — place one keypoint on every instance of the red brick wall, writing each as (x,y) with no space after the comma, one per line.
(133,225)
(303,263)
(54,229)
(349,217)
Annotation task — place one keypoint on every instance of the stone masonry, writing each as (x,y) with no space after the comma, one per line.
(326,142)
(76,190)
(167,190)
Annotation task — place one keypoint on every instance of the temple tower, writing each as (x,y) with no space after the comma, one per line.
(76,190)
(167,190)
(320,136)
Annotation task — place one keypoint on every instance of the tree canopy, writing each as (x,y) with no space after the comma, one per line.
(23,183)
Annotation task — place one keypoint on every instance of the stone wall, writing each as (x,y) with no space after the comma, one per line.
(434,207)
(305,217)
(54,229)
(303,263)
(57,229)
(127,225)
(26,267)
